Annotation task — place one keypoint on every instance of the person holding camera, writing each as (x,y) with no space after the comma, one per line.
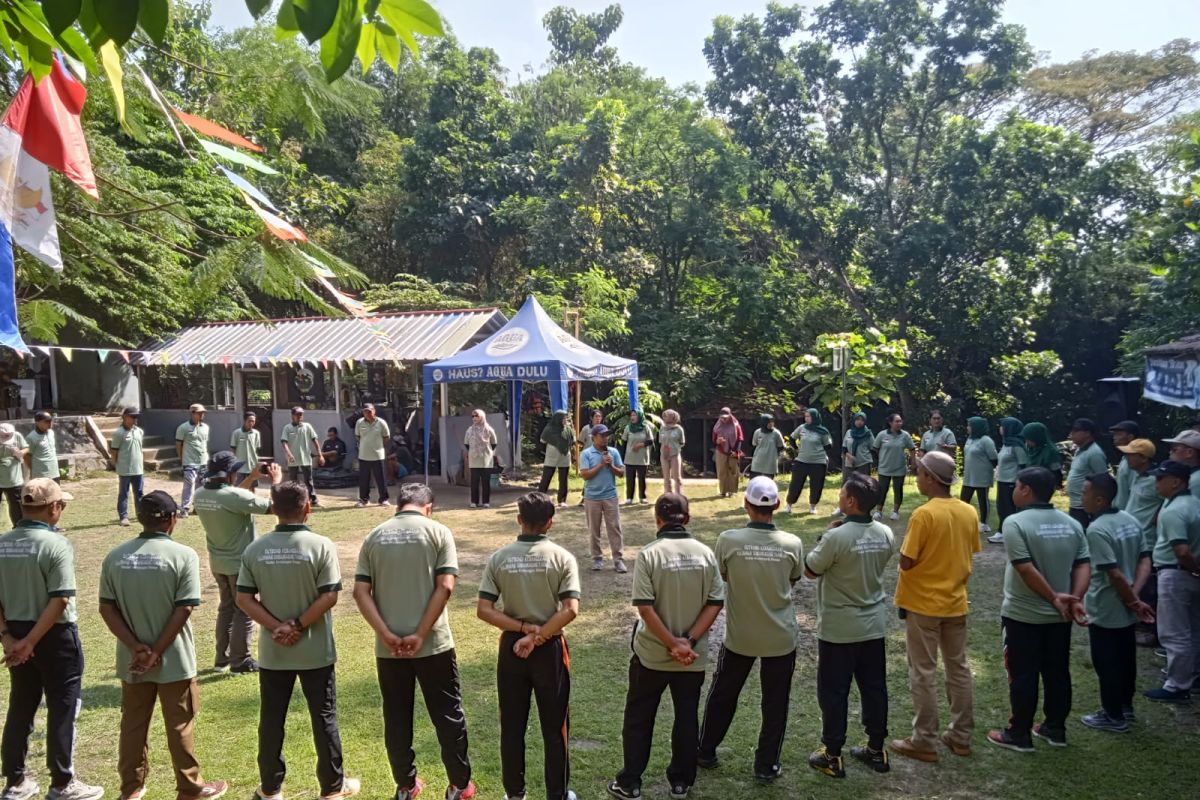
(226,510)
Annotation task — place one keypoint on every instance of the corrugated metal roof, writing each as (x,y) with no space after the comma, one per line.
(404,336)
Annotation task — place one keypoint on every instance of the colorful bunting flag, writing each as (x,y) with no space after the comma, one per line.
(45,115)
(66,351)
(275,223)
(250,189)
(214,130)
(124,355)
(102,355)
(229,154)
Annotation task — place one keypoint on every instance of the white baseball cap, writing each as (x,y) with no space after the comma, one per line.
(762,491)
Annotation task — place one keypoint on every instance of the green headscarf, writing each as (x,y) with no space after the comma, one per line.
(640,425)
(858,433)
(557,433)
(1044,452)
(978,427)
(764,420)
(816,426)
(1011,428)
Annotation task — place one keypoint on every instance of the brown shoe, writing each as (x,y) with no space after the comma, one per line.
(906,748)
(211,791)
(956,748)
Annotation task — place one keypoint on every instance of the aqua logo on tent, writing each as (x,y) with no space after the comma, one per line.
(508,341)
(569,341)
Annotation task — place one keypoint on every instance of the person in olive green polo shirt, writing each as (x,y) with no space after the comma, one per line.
(245,443)
(537,584)
(372,434)
(148,589)
(289,584)
(848,563)
(191,446)
(300,445)
(678,593)
(12,470)
(759,564)
(1049,567)
(407,570)
(42,456)
(126,452)
(41,645)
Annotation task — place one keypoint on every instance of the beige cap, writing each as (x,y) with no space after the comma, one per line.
(1143,447)
(6,431)
(940,466)
(1188,438)
(197,407)
(43,492)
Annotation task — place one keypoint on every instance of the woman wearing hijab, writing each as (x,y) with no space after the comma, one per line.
(893,447)
(639,441)
(480,445)
(1041,451)
(671,440)
(979,467)
(814,445)
(768,443)
(727,437)
(559,439)
(1012,459)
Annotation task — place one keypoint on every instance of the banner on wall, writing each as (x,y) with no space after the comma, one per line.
(1173,381)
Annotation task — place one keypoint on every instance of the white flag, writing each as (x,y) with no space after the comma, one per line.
(34,228)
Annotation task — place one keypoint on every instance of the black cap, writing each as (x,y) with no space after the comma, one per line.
(332,430)
(297,409)
(671,507)
(1085,424)
(43,416)
(1173,469)
(1128,426)
(223,464)
(158,505)
(131,411)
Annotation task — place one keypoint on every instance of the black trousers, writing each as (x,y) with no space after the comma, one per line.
(1032,653)
(320,693)
(1005,507)
(1082,516)
(896,484)
(638,472)
(775,672)
(546,677)
(56,671)
(1114,655)
(13,495)
(866,664)
(981,496)
(802,472)
(865,469)
(481,485)
(548,473)
(646,687)
(366,471)
(295,473)
(438,678)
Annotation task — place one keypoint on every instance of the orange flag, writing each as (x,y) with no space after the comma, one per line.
(214,130)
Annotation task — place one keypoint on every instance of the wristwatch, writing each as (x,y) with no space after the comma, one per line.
(691,642)
(298,625)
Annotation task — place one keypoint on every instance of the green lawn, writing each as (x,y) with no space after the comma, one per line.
(1155,761)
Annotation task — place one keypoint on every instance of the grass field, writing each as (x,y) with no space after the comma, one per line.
(1157,760)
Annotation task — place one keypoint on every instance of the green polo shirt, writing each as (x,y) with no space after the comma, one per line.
(767,446)
(12,473)
(372,439)
(645,437)
(1088,461)
(933,441)
(849,562)
(859,449)
(226,513)
(300,440)
(289,568)
(401,559)
(1125,476)
(195,443)
(529,578)
(1055,544)
(679,576)
(128,444)
(43,454)
(244,444)
(979,462)
(556,458)
(36,564)
(1143,505)
(1194,483)
(147,578)
(810,446)
(1115,540)
(1178,523)
(759,564)
(893,453)
(1011,460)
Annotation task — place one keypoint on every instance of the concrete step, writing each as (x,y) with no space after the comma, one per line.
(163,465)
(158,452)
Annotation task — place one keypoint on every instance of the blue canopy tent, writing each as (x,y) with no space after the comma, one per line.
(530,348)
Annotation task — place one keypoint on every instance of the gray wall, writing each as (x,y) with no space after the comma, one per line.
(163,422)
(87,385)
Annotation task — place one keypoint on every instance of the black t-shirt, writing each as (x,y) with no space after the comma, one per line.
(336,445)
(403,455)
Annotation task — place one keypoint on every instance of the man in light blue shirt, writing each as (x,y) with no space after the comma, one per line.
(600,466)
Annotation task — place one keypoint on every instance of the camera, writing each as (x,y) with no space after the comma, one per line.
(264,468)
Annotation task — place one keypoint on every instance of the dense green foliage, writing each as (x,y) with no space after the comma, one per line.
(897,168)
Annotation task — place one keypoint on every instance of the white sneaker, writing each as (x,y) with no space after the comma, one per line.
(997,537)
(487,505)
(895,515)
(259,794)
(788,509)
(563,505)
(984,528)
(812,509)
(76,790)
(25,790)
(350,787)
(473,505)
(382,504)
(629,502)
(876,515)
(361,504)
(837,512)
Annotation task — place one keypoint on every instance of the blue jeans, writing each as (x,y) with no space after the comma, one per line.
(128,482)
(191,476)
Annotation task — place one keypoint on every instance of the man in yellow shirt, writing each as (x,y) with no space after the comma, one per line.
(935,565)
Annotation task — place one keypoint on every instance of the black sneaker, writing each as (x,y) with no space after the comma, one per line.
(245,668)
(770,776)
(707,762)
(875,759)
(1129,714)
(621,793)
(1006,740)
(1053,738)
(824,763)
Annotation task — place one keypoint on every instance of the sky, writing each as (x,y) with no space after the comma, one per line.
(666,37)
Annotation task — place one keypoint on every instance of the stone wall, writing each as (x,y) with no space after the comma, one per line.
(77,452)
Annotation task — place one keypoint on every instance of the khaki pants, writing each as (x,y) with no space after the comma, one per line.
(925,635)
(728,472)
(180,701)
(672,467)
(608,512)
